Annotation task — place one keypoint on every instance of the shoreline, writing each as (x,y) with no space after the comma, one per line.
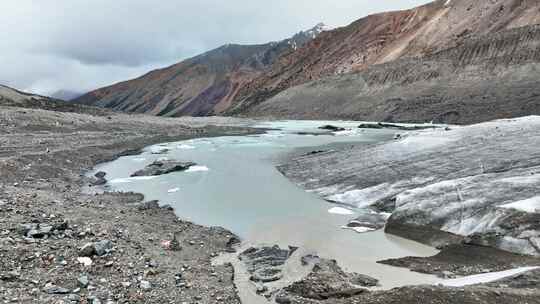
(137,268)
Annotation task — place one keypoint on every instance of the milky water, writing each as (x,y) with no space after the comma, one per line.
(235,185)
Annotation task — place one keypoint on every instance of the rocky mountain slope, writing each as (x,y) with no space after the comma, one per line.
(489,77)
(203,85)
(15,98)
(447,60)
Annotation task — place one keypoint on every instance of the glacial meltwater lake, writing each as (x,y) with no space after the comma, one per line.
(236,185)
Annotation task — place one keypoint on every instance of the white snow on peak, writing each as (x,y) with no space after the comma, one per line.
(486,277)
(340,211)
(531,205)
(319,28)
(447,2)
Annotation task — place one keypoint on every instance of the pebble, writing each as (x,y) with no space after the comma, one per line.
(83,281)
(53,289)
(145,285)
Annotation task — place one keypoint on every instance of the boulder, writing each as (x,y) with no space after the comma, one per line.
(99,179)
(100,248)
(103,247)
(87,250)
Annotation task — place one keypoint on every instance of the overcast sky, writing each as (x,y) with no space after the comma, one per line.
(80,45)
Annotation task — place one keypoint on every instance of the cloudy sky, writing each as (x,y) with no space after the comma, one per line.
(79,45)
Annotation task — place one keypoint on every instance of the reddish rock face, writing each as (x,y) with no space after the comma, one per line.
(385,37)
(203,85)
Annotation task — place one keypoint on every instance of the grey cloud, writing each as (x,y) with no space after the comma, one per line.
(83,44)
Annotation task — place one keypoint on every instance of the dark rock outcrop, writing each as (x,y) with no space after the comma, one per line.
(160,167)
(328,281)
(265,264)
(332,128)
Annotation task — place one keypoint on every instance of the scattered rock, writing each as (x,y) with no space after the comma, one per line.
(9,276)
(446,275)
(103,247)
(86,261)
(381,125)
(100,248)
(99,179)
(175,245)
(283,300)
(37,231)
(332,128)
(363,280)
(150,205)
(74,298)
(83,281)
(53,289)
(87,250)
(145,285)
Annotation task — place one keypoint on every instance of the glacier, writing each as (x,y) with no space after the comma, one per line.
(479,183)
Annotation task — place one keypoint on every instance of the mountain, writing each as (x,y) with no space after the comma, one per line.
(66,95)
(457,61)
(10,97)
(203,85)
(452,61)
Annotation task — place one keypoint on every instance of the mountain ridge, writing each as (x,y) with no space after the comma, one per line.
(249,88)
(198,86)
(385,37)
